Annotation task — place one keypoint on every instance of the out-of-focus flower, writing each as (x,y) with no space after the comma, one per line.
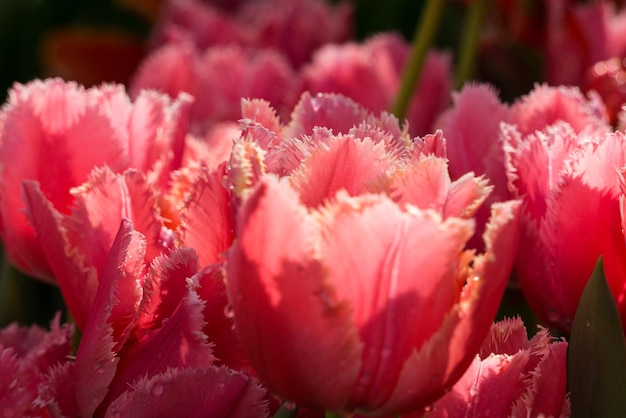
(571,216)
(286,26)
(144,347)
(27,355)
(55,133)
(511,377)
(608,79)
(581,35)
(394,307)
(475,147)
(546,105)
(218,78)
(370,74)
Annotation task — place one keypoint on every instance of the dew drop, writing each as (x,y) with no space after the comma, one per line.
(429,408)
(157,390)
(99,368)
(587,324)
(229,311)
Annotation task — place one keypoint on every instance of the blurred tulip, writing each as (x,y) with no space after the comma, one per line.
(581,35)
(290,28)
(378,63)
(55,133)
(356,305)
(511,377)
(218,78)
(27,356)
(571,216)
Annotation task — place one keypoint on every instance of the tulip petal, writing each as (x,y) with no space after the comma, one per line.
(426,184)
(379,265)
(206,222)
(332,111)
(78,281)
(443,359)
(167,331)
(218,319)
(347,163)
(216,391)
(96,361)
(57,394)
(274,279)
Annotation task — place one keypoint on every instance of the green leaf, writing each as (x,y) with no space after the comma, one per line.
(597,353)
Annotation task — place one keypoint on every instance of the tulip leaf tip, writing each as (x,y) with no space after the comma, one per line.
(597,353)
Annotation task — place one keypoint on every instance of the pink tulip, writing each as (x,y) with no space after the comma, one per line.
(367,153)
(571,216)
(55,133)
(291,28)
(511,377)
(546,105)
(218,78)
(378,63)
(581,35)
(144,347)
(76,245)
(27,355)
(357,305)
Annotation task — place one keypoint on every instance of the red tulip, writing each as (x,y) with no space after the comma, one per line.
(571,216)
(357,305)
(512,377)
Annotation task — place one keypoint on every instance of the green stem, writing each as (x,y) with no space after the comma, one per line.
(286,411)
(424,34)
(329,414)
(468,47)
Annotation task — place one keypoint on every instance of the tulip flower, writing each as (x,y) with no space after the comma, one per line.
(511,377)
(218,78)
(290,28)
(571,216)
(357,305)
(144,348)
(378,63)
(27,355)
(55,133)
(370,154)
(581,35)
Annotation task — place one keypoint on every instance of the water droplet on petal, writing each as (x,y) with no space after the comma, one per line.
(229,311)
(99,367)
(157,390)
